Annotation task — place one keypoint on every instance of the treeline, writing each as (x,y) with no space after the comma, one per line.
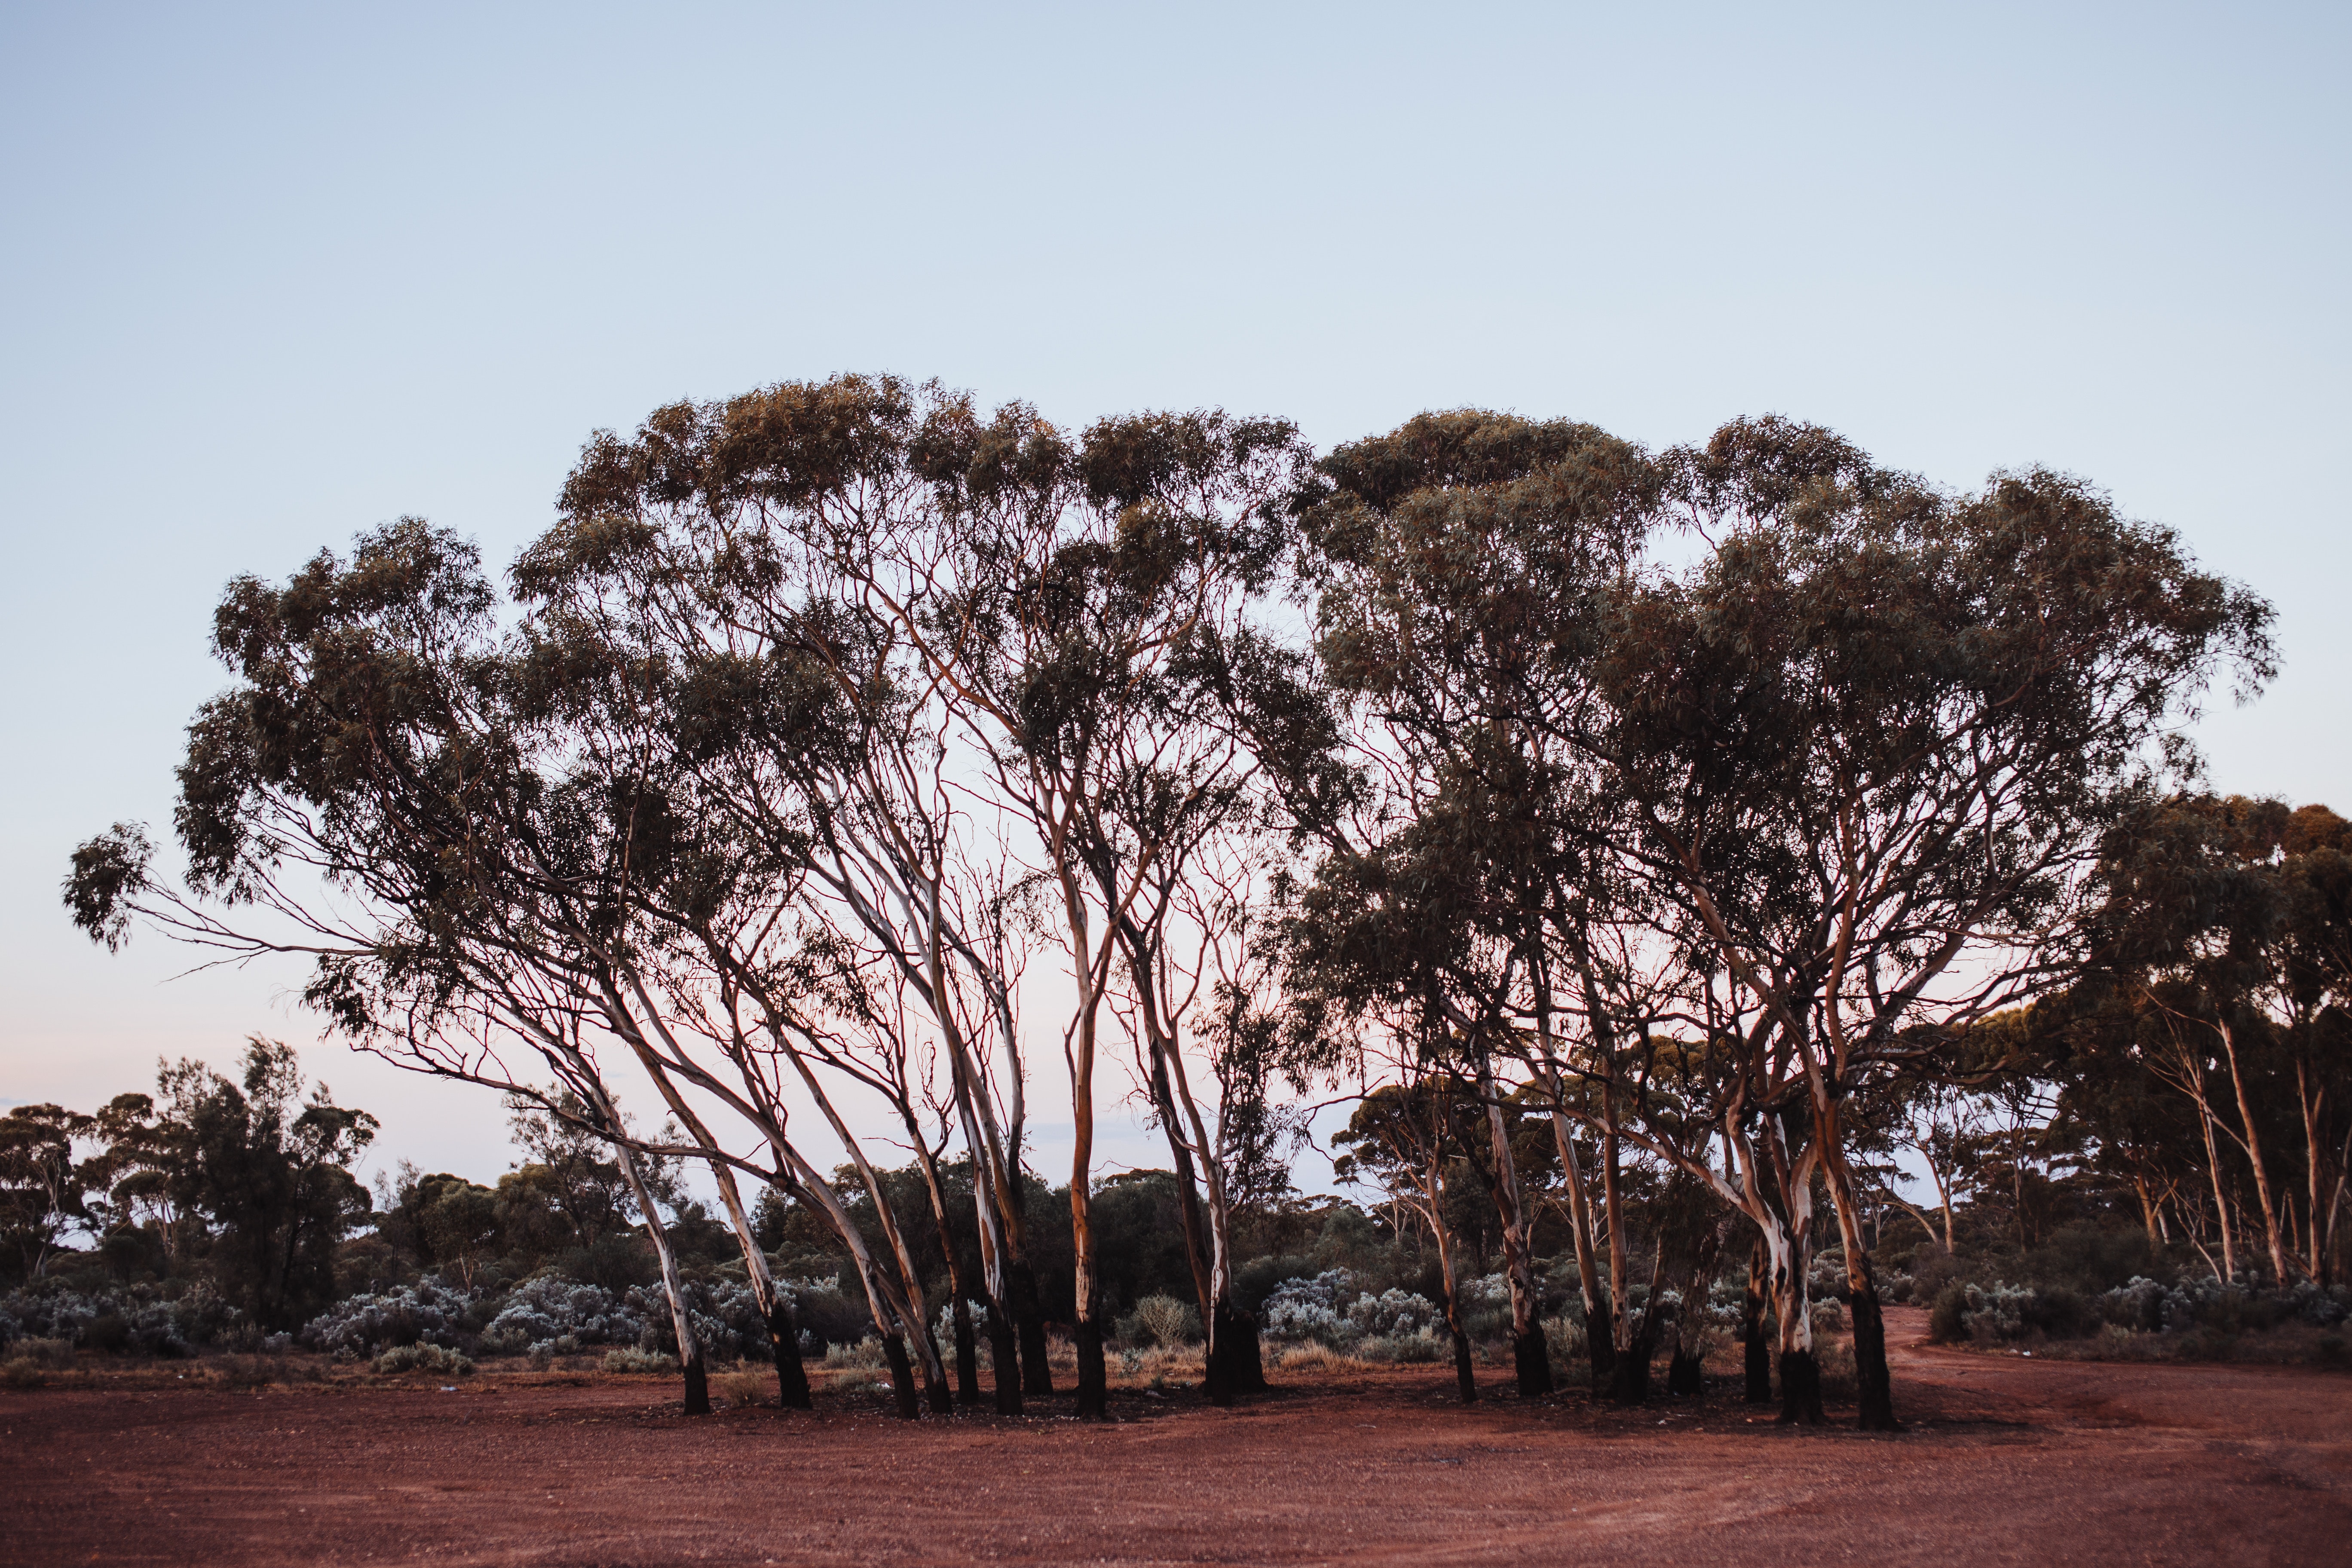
(1631,826)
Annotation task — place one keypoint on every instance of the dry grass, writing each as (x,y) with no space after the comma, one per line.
(742,1387)
(1311,1357)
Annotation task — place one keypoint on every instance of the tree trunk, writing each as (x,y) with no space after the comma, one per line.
(783,1335)
(690,1347)
(2214,1167)
(1004,1357)
(1094,1384)
(1463,1378)
(1801,1389)
(1600,1329)
(1529,1356)
(1877,1385)
(1036,1376)
(1872,1378)
(1758,1355)
(2254,1158)
(1629,1381)
(1235,1342)
(902,1376)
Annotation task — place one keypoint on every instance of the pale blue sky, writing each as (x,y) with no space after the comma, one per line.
(273,275)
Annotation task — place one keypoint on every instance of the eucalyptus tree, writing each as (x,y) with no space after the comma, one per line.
(1063,605)
(1404,1139)
(1465,566)
(1869,747)
(2226,920)
(500,877)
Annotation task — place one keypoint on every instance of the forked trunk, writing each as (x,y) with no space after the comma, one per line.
(1801,1373)
(1685,1375)
(1800,1388)
(1530,1357)
(1630,1383)
(2254,1149)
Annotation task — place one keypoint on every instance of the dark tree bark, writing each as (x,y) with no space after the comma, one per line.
(784,1336)
(1685,1378)
(936,1392)
(1601,1344)
(1237,1347)
(1801,1389)
(698,1387)
(1463,1377)
(1531,1359)
(1036,1378)
(1094,1387)
(902,1377)
(1878,1387)
(1005,1354)
(1629,1380)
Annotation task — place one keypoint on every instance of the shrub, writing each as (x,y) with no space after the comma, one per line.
(825,1314)
(423,1358)
(41,1352)
(172,1319)
(1947,1318)
(632,1361)
(553,1315)
(427,1312)
(1169,1321)
(866,1353)
(740,1389)
(1329,1309)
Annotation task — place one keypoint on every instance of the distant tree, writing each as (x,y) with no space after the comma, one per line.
(42,1185)
(269,1173)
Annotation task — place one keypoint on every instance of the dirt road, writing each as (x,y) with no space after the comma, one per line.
(2007,1460)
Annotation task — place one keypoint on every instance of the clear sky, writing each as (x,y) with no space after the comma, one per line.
(270,276)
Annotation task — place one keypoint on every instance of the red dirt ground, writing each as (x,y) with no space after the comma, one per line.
(2007,1460)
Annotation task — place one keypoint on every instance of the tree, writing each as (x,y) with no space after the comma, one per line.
(42,1186)
(270,1174)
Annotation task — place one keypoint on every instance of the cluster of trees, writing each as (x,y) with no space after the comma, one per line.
(2198,1074)
(1632,816)
(246,1183)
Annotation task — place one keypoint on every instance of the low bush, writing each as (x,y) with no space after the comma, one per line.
(1168,1321)
(866,1353)
(2005,1314)
(1329,1309)
(173,1318)
(433,1359)
(628,1360)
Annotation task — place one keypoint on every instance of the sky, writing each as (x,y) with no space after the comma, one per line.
(272,276)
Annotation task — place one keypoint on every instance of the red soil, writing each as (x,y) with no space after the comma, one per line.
(2008,1459)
